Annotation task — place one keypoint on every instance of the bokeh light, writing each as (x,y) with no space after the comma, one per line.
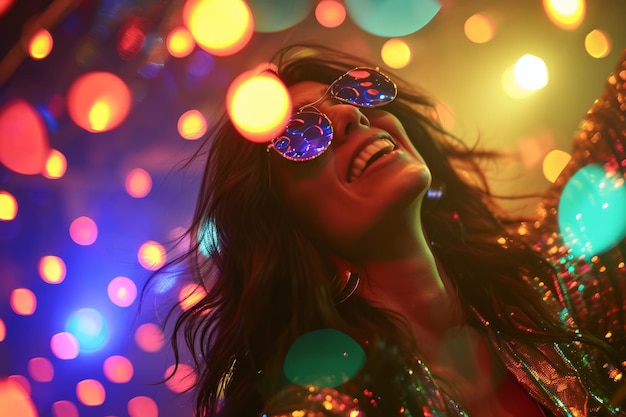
(565,14)
(83,231)
(23,138)
(23,381)
(122,291)
(138,183)
(149,337)
(23,301)
(531,72)
(98,101)
(192,125)
(90,392)
(8,206)
(52,269)
(3,330)
(330,13)
(151,255)
(553,164)
(256,117)
(5,5)
(277,15)
(15,401)
(597,44)
(182,377)
(64,345)
(64,408)
(190,295)
(392,18)
(142,406)
(118,369)
(591,211)
(526,76)
(396,53)
(479,28)
(90,328)
(40,44)
(323,358)
(131,37)
(55,166)
(180,42)
(40,369)
(221,27)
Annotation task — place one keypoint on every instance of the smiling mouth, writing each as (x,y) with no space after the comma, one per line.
(382,145)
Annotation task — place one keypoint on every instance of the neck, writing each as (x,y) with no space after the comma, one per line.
(413,285)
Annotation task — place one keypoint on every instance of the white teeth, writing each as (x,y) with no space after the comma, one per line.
(360,162)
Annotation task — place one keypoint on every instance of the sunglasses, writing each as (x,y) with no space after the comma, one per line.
(309,131)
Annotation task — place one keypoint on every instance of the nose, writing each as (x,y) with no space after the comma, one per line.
(345,118)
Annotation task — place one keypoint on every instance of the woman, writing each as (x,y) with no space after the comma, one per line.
(384,239)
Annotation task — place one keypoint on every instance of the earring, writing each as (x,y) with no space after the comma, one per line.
(349,282)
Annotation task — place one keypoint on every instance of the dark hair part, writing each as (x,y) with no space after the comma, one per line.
(266,282)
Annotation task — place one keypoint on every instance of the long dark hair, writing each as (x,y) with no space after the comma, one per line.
(267,283)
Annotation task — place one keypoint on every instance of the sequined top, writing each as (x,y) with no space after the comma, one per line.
(588,291)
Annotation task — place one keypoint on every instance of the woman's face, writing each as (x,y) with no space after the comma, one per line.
(346,201)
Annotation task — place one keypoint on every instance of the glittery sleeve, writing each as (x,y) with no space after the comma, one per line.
(591,283)
(312,402)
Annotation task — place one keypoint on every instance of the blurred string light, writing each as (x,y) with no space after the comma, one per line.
(553,164)
(151,255)
(15,400)
(180,378)
(41,369)
(142,406)
(52,269)
(83,231)
(591,211)
(597,44)
(192,125)
(330,13)
(8,206)
(479,28)
(221,27)
(138,183)
(392,18)
(89,327)
(23,138)
(396,53)
(180,42)
(64,345)
(122,291)
(118,369)
(23,301)
(90,392)
(323,358)
(98,101)
(40,44)
(149,337)
(258,105)
(277,15)
(566,14)
(526,76)
(55,165)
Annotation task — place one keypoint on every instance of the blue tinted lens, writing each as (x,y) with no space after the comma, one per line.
(364,87)
(308,134)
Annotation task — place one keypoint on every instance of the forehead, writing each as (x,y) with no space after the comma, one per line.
(306,92)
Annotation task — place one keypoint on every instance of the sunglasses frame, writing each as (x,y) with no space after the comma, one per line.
(311,109)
